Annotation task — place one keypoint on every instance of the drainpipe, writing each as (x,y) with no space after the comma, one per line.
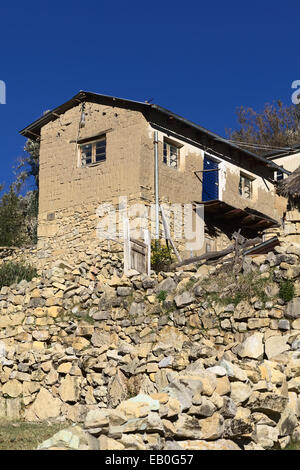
(156,187)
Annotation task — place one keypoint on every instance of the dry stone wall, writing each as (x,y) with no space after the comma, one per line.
(153,362)
(108,255)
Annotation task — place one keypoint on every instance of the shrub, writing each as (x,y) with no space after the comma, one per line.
(287,290)
(162,295)
(161,258)
(12,273)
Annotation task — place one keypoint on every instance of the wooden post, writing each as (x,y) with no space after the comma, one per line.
(127,248)
(147,240)
(168,234)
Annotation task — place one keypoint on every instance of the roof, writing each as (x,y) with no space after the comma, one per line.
(284,152)
(33,130)
(290,186)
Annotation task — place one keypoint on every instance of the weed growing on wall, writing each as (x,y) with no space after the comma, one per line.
(161,257)
(287,290)
(13,273)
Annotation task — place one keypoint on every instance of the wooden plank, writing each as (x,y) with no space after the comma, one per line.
(247,218)
(205,256)
(138,261)
(231,213)
(147,240)
(138,249)
(138,242)
(168,235)
(127,254)
(214,254)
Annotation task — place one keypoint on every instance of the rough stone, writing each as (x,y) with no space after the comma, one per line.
(44,407)
(240,392)
(69,389)
(252,347)
(293,309)
(73,438)
(186,298)
(276,345)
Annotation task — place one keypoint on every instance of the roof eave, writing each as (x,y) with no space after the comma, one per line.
(33,130)
(214,136)
(35,127)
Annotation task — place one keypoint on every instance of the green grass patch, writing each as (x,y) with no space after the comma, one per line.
(79,317)
(188,286)
(293,446)
(232,289)
(26,436)
(162,295)
(13,273)
(287,290)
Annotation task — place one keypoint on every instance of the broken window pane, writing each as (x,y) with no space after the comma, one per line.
(86,154)
(245,187)
(170,155)
(173,156)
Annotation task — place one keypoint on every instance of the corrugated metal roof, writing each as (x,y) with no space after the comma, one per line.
(33,130)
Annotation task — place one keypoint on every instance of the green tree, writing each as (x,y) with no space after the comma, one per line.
(28,169)
(28,165)
(12,232)
(18,212)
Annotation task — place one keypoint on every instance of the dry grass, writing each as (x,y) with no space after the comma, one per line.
(293,446)
(225,287)
(26,436)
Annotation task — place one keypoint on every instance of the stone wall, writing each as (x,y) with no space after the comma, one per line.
(80,341)
(107,253)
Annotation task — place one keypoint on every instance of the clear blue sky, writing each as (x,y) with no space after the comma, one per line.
(199,59)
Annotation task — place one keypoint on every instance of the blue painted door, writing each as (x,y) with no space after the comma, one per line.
(210,181)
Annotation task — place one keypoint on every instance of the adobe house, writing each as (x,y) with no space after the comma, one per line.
(96,148)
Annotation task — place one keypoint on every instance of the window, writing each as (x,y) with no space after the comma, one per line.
(171,154)
(93,152)
(245,186)
(278,175)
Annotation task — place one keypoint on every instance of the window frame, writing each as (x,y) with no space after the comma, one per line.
(244,177)
(278,175)
(166,159)
(93,144)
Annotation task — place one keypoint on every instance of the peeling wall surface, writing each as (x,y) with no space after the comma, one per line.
(70,193)
(64,183)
